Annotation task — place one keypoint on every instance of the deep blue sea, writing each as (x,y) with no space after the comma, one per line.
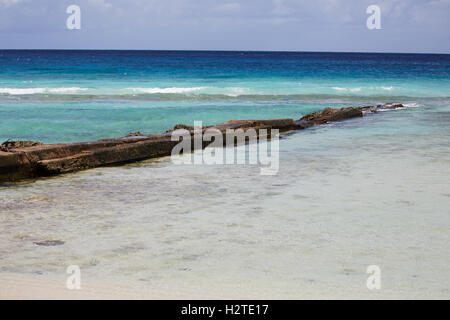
(62,96)
(366,191)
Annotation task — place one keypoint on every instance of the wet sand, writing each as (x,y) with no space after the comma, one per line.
(16,286)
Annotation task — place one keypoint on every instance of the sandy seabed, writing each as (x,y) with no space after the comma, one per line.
(16,286)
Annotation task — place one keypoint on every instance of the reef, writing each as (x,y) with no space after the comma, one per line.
(29,159)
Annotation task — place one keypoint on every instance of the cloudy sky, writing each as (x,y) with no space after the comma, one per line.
(295,25)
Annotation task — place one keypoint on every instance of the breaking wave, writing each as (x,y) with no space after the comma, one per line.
(358,89)
(166,90)
(210,93)
(26,91)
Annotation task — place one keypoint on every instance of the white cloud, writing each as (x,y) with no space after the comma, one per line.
(280,8)
(100,3)
(228,7)
(8,3)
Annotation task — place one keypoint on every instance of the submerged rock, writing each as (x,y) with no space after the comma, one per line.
(387,106)
(49,243)
(390,106)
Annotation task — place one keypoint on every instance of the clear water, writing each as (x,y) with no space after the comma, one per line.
(63,96)
(367,191)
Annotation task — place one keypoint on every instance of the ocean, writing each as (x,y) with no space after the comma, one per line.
(348,195)
(65,96)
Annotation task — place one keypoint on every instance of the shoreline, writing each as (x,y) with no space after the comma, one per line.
(23,286)
(20,160)
(18,286)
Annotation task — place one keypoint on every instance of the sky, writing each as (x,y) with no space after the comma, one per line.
(273,25)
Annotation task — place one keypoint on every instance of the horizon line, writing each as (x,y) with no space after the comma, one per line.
(226,50)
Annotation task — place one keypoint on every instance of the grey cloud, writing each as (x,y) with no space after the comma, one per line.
(326,25)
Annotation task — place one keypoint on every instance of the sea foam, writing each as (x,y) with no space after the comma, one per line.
(25,91)
(358,89)
(166,90)
(347,89)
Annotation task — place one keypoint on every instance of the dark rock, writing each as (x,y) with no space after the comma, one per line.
(183,126)
(390,106)
(302,123)
(369,109)
(49,243)
(330,114)
(134,134)
(386,106)
(20,144)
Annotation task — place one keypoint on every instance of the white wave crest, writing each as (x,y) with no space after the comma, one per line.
(347,89)
(166,90)
(20,91)
(25,91)
(411,105)
(358,89)
(66,90)
(235,91)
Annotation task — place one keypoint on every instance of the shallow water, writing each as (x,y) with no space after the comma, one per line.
(369,191)
(366,191)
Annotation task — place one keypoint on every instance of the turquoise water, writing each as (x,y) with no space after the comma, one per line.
(63,96)
(366,191)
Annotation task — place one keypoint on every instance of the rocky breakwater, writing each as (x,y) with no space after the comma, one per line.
(28,159)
